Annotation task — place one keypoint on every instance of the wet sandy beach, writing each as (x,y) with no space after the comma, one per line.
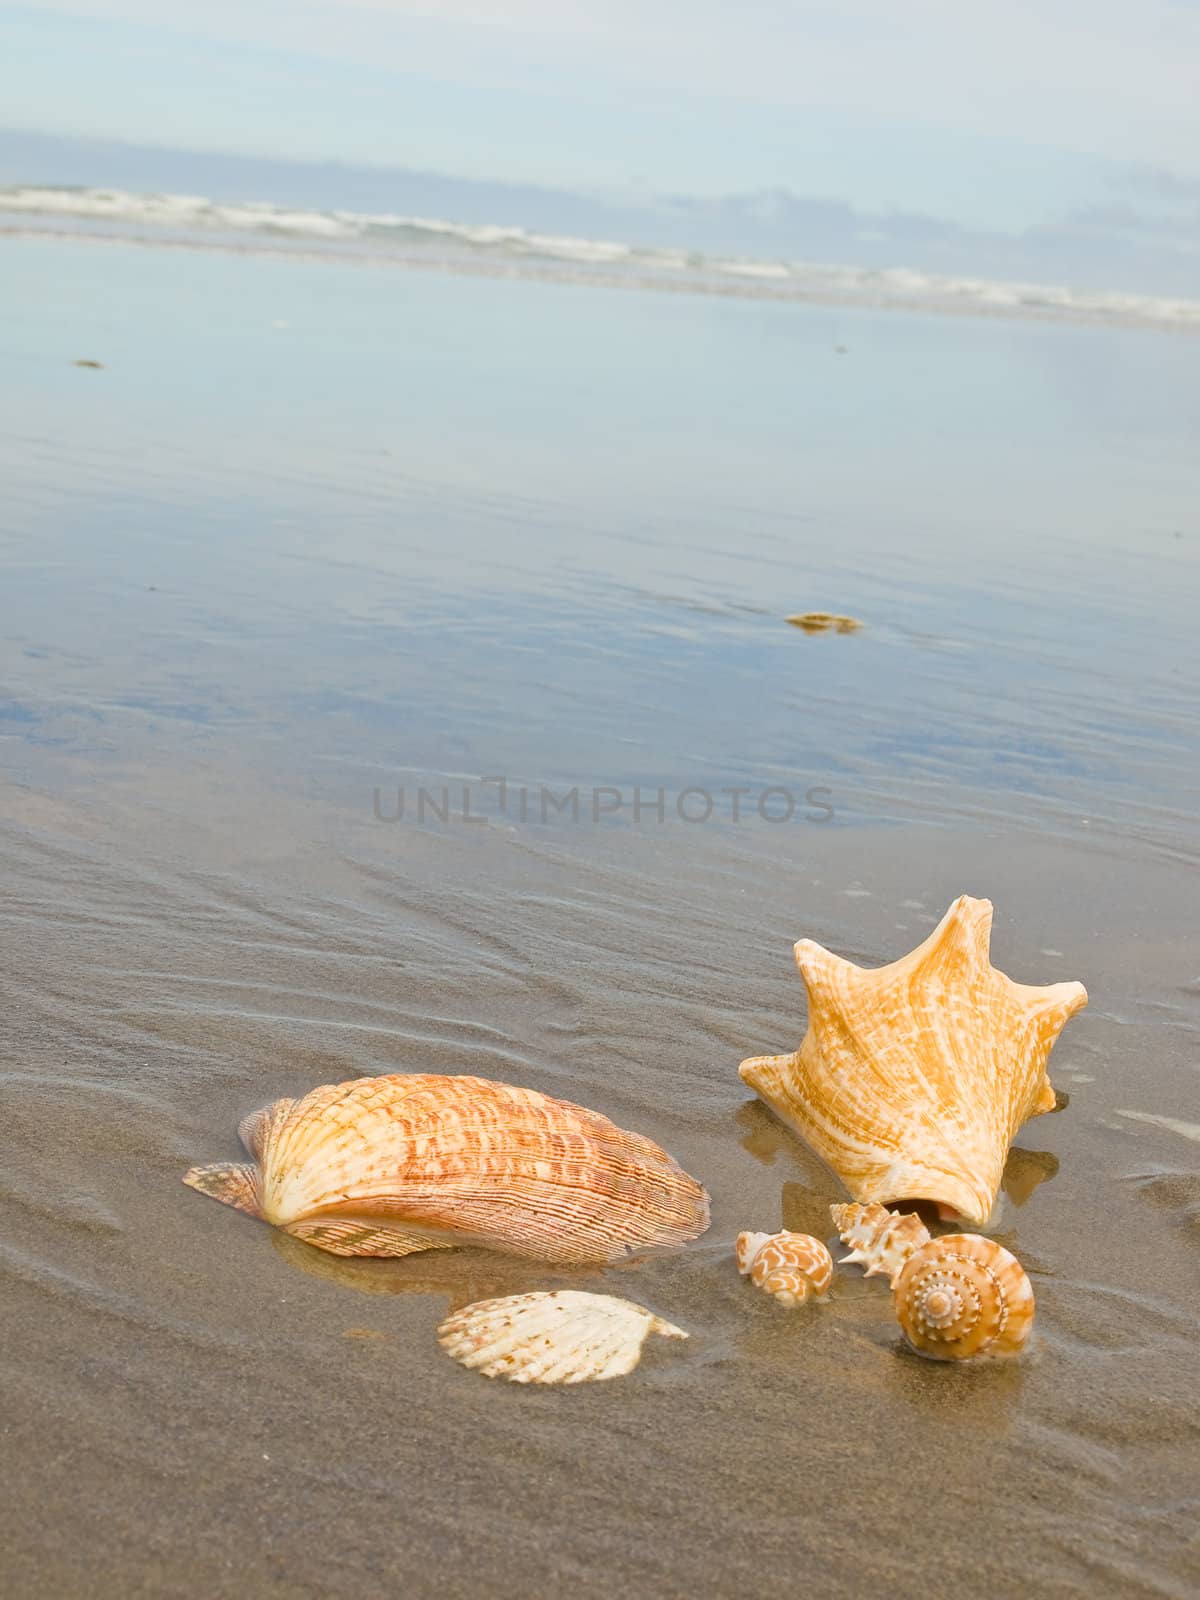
(256,580)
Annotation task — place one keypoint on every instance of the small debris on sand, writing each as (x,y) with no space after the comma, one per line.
(824,622)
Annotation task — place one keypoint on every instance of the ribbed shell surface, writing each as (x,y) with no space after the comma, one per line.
(913,1078)
(556,1336)
(880,1240)
(964,1295)
(472,1161)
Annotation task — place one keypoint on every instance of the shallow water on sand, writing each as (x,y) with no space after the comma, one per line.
(314,535)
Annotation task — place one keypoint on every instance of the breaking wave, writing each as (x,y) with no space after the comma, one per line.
(382,237)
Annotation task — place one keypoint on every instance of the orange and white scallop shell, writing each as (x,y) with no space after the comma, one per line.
(390,1165)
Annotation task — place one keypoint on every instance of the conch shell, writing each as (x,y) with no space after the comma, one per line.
(790,1266)
(880,1240)
(963,1295)
(913,1078)
(552,1336)
(390,1165)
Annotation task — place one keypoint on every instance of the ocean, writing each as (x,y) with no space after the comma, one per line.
(386,239)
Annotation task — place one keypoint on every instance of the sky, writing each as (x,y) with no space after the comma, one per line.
(989,115)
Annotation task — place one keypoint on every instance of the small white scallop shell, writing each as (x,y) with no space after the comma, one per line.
(880,1240)
(793,1267)
(552,1336)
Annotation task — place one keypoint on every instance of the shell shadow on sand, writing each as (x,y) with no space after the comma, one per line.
(806,1204)
(460,1276)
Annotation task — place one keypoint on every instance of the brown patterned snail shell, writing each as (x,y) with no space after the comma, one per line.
(961,1296)
(792,1267)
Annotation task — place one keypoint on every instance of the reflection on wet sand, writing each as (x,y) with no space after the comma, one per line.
(983,1395)
(766,1138)
(461,1276)
(1025,1171)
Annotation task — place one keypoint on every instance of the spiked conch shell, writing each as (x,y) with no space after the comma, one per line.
(553,1336)
(963,1295)
(913,1078)
(790,1266)
(880,1240)
(387,1166)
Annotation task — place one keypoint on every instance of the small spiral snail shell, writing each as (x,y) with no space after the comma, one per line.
(791,1266)
(963,1295)
(880,1240)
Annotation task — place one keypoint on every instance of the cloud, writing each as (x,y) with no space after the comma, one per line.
(1098,247)
(1153,226)
(1114,79)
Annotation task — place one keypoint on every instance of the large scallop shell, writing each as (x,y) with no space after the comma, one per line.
(963,1295)
(554,1336)
(880,1240)
(790,1266)
(912,1079)
(387,1166)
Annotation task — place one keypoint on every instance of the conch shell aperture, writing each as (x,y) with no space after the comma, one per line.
(913,1078)
(391,1165)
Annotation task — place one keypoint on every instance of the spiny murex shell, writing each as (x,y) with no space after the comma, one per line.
(913,1078)
(386,1166)
(963,1295)
(880,1240)
(554,1336)
(790,1266)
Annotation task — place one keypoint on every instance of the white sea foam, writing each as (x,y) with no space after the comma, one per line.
(196,219)
(753,269)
